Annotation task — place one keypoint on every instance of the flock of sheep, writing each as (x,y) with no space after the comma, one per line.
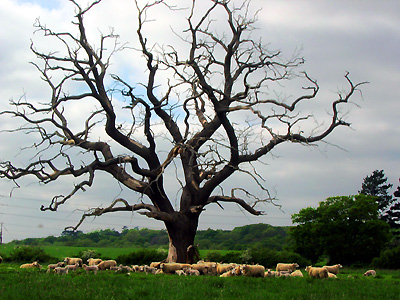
(200,268)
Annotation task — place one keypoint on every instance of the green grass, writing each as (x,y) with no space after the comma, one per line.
(18,284)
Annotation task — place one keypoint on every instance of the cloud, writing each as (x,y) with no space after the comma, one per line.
(361,37)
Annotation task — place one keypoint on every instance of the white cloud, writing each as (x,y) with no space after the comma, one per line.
(361,37)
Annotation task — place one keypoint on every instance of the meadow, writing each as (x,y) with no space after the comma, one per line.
(18,283)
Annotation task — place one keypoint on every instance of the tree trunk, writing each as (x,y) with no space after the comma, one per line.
(181,235)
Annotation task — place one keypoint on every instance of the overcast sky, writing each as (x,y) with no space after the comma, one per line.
(335,37)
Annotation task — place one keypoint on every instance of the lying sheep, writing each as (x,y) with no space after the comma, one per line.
(170,268)
(61,270)
(51,267)
(191,272)
(334,269)
(94,261)
(150,270)
(88,269)
(73,261)
(35,264)
(286,267)
(229,273)
(331,275)
(223,268)
(107,264)
(297,273)
(370,273)
(253,270)
(72,267)
(210,267)
(317,272)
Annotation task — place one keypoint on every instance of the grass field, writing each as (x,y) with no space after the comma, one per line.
(18,284)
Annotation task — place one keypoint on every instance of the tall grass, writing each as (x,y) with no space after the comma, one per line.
(36,284)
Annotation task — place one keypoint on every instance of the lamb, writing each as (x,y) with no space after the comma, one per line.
(286,267)
(94,261)
(35,264)
(107,264)
(334,269)
(253,270)
(73,261)
(296,273)
(317,272)
(72,267)
(191,272)
(93,269)
(180,272)
(61,270)
(53,266)
(270,273)
(370,273)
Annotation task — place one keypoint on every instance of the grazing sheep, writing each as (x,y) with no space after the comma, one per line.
(331,275)
(317,272)
(107,264)
(286,267)
(150,270)
(61,270)
(73,261)
(35,264)
(334,269)
(370,273)
(72,267)
(94,261)
(253,270)
(296,273)
(88,269)
(125,268)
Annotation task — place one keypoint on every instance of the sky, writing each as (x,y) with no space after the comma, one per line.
(334,37)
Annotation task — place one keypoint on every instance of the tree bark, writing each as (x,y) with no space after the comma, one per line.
(181,234)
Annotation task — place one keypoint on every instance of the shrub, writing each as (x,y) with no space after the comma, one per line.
(86,254)
(142,257)
(29,254)
(389,259)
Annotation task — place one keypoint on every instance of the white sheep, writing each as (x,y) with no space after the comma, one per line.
(297,273)
(73,261)
(253,270)
(88,269)
(53,266)
(35,264)
(180,272)
(191,272)
(107,264)
(334,269)
(230,273)
(317,272)
(331,275)
(286,267)
(94,261)
(370,273)
(270,273)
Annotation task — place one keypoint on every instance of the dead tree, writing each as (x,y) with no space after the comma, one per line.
(216,110)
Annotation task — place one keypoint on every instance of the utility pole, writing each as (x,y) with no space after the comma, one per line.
(1,234)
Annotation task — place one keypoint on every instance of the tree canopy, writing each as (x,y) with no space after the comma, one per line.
(210,106)
(344,228)
(388,207)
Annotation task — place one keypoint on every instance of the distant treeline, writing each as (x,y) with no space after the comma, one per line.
(240,238)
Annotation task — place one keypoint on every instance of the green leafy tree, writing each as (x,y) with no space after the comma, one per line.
(344,228)
(376,185)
